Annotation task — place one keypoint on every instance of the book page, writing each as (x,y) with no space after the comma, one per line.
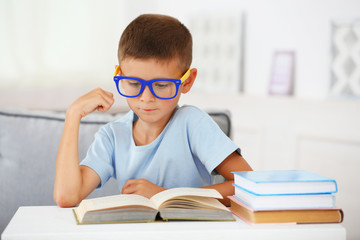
(122,200)
(161,197)
(194,202)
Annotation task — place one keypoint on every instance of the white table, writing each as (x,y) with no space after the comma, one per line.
(51,222)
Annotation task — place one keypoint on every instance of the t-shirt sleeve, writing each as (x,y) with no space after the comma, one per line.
(101,155)
(210,144)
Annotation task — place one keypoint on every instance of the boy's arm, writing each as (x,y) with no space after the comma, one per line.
(72,181)
(234,162)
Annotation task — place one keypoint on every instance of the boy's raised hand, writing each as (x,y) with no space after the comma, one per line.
(97,99)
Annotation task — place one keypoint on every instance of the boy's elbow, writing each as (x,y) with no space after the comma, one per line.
(65,201)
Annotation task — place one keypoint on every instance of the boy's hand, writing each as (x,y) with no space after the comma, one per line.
(97,99)
(141,187)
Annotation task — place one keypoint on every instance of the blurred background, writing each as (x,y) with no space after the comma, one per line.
(288,72)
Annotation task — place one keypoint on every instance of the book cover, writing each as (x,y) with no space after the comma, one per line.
(284,201)
(284,182)
(309,215)
(171,204)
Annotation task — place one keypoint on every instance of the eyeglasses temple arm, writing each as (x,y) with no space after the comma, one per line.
(185,76)
(117,70)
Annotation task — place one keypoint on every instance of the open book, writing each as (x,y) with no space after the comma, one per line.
(171,204)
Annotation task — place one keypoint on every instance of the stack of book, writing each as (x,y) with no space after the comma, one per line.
(282,196)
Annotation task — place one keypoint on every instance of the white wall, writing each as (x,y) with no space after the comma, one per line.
(302,26)
(47,43)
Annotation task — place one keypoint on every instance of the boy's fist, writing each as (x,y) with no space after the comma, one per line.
(97,99)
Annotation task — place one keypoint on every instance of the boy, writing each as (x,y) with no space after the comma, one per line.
(157,145)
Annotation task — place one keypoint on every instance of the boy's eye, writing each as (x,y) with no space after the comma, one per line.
(162,84)
(134,83)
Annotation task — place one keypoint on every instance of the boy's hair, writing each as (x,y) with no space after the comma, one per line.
(156,36)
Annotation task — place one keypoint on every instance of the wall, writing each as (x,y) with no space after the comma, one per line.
(39,36)
(302,26)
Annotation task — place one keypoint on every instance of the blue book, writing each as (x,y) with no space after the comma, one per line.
(284,201)
(284,182)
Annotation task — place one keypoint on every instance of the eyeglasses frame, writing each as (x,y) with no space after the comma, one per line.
(149,83)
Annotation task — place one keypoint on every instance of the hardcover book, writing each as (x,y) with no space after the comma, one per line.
(284,201)
(284,182)
(171,204)
(320,215)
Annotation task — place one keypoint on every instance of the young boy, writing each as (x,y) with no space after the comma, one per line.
(157,145)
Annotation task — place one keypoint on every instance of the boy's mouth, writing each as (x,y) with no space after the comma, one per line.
(148,109)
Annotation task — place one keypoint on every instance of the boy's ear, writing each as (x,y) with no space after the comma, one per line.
(189,81)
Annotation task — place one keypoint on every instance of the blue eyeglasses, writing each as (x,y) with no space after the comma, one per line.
(162,88)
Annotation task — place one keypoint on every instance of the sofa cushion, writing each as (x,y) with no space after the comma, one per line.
(28,146)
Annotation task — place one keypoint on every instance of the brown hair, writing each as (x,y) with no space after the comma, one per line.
(156,36)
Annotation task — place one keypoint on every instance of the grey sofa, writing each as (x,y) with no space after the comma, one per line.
(28,148)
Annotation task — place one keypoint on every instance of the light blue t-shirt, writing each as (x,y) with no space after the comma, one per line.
(185,154)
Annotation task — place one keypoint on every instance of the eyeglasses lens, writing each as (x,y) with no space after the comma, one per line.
(164,89)
(129,87)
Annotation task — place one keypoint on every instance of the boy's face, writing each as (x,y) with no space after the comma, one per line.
(146,106)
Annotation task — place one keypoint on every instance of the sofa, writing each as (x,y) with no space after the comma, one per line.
(29,141)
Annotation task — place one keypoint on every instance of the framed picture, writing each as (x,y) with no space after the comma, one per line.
(282,73)
(218,51)
(345,62)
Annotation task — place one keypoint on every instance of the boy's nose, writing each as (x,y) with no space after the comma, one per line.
(147,95)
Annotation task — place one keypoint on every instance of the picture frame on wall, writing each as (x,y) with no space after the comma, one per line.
(282,73)
(345,59)
(218,45)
